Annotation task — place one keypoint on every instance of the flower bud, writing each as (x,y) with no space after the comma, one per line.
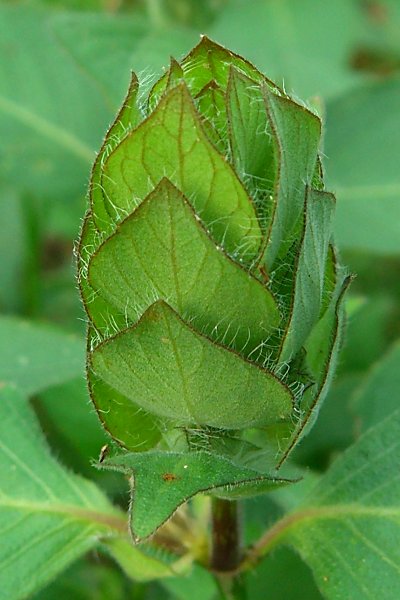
(207,268)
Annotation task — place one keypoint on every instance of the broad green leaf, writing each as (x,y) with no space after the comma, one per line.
(48,516)
(165,480)
(173,372)
(304,44)
(171,143)
(296,133)
(52,133)
(162,251)
(102,45)
(347,529)
(379,394)
(364,171)
(34,357)
(309,272)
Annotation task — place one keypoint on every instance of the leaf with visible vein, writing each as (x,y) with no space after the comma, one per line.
(170,370)
(171,143)
(48,516)
(368,193)
(147,259)
(165,480)
(348,528)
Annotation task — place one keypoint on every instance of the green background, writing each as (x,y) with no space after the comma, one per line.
(64,69)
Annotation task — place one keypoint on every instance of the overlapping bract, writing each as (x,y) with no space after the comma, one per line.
(206,264)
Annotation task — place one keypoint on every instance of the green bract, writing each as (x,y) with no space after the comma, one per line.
(210,281)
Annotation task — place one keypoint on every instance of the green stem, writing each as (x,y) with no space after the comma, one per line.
(226,552)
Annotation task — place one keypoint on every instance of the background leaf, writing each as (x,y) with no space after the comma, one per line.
(364,170)
(48,516)
(353,517)
(379,394)
(34,357)
(304,44)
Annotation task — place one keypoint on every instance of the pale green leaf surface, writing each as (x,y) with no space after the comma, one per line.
(165,480)
(364,171)
(304,44)
(41,127)
(171,143)
(148,259)
(48,516)
(379,394)
(348,528)
(171,371)
(102,47)
(296,132)
(310,271)
(34,357)
(148,57)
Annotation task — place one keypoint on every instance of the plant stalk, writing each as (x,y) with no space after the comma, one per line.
(226,551)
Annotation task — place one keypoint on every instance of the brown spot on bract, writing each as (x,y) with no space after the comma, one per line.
(169,477)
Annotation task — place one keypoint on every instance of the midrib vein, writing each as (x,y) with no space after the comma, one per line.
(307,516)
(108,520)
(47,129)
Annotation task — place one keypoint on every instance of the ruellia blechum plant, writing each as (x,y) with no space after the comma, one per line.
(211,284)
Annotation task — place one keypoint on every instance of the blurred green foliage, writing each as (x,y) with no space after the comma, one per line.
(64,68)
